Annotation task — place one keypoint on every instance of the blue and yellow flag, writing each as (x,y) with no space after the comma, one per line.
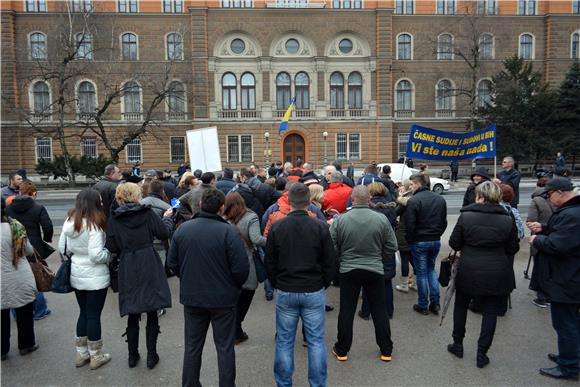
(284,123)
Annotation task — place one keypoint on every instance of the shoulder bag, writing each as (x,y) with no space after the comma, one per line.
(43,276)
(61,283)
(445,268)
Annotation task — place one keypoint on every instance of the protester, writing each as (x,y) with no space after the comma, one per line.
(143,286)
(486,236)
(18,287)
(186,184)
(410,163)
(22,172)
(136,169)
(261,175)
(507,195)
(388,182)
(83,236)
(107,186)
(308,176)
(350,171)
(193,197)
(511,177)
(181,170)
(370,176)
(362,237)
(211,276)
(263,192)
(426,221)
(13,187)
(478,176)
(316,194)
(169,184)
(560,160)
(157,199)
(33,217)
(336,195)
(558,268)
(407,281)
(227,181)
(197,173)
(300,265)
(454,167)
(337,164)
(380,203)
(248,225)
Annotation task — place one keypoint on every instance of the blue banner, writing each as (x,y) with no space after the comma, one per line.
(433,144)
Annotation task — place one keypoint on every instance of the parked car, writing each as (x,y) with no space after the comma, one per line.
(400,172)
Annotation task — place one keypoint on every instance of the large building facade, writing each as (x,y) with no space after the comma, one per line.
(362,72)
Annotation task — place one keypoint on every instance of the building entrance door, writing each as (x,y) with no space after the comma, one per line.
(294,148)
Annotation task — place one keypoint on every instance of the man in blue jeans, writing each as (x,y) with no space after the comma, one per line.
(426,221)
(300,266)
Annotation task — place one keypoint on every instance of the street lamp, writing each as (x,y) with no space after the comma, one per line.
(267,137)
(325,136)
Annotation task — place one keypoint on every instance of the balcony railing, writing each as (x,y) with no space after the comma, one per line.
(350,113)
(85,116)
(132,116)
(296,4)
(296,113)
(241,114)
(176,116)
(250,114)
(444,113)
(404,113)
(40,117)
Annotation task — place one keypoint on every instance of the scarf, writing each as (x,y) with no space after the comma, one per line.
(19,239)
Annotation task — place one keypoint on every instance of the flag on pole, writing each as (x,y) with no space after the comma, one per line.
(284,123)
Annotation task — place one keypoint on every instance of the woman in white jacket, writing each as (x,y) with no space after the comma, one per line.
(83,236)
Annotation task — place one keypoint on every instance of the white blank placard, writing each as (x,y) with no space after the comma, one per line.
(204,149)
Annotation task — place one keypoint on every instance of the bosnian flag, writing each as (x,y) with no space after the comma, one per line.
(284,123)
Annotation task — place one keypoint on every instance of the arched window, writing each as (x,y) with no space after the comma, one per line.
(132,99)
(282,91)
(445,47)
(84,46)
(404,47)
(575,49)
(355,91)
(336,91)
(248,91)
(129,46)
(38,46)
(526,46)
(302,87)
(176,98)
(444,96)
(484,93)
(174,46)
(41,98)
(229,92)
(87,98)
(486,46)
(404,100)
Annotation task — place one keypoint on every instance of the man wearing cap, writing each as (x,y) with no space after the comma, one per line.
(477,177)
(558,261)
(511,177)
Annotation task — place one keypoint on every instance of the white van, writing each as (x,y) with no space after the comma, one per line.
(400,172)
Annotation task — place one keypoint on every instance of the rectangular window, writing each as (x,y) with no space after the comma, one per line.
(403,141)
(43,149)
(177,151)
(35,5)
(89,147)
(446,7)
(237,4)
(404,7)
(172,6)
(127,6)
(82,5)
(527,7)
(357,4)
(576,6)
(133,150)
(348,146)
(486,7)
(240,149)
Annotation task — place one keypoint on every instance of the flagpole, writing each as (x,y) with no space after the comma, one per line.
(495,167)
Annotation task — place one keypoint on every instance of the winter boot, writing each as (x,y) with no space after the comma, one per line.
(456,348)
(98,358)
(132,334)
(404,286)
(152,331)
(83,355)
(482,360)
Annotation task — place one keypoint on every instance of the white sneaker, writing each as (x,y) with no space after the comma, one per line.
(404,288)
(413,286)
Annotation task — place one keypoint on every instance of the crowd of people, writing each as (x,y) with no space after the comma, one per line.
(298,233)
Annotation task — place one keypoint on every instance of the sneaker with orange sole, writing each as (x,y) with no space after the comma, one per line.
(337,357)
(386,358)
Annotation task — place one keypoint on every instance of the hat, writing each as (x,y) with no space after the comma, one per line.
(167,170)
(134,179)
(558,183)
(480,171)
(151,173)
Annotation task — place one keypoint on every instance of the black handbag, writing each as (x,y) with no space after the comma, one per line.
(445,268)
(61,283)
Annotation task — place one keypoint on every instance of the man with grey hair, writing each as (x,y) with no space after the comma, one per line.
(511,177)
(108,185)
(365,244)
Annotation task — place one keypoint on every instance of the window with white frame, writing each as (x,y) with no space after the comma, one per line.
(133,150)
(229,92)
(132,101)
(43,149)
(347,4)
(527,7)
(404,7)
(89,147)
(177,149)
(84,46)
(41,98)
(129,46)
(130,6)
(484,93)
(446,7)
(576,6)
(486,50)
(38,46)
(404,99)
(444,96)
(348,146)
(237,3)
(292,3)
(172,6)
(526,46)
(176,100)
(240,149)
(336,91)
(404,47)
(355,90)
(575,45)
(486,7)
(302,90)
(445,47)
(82,5)
(402,146)
(87,98)
(174,46)
(35,5)
(248,85)
(283,91)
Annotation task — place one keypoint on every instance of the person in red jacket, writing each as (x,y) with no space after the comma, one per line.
(336,196)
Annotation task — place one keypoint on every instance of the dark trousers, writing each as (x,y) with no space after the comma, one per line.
(406,259)
(374,287)
(223,323)
(490,307)
(244,302)
(365,309)
(566,322)
(91,304)
(453,175)
(25,325)
(152,320)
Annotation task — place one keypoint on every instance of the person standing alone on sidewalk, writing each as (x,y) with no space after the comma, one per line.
(300,266)
(511,177)
(426,221)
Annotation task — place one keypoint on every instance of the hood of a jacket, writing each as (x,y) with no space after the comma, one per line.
(131,215)
(382,202)
(253,183)
(538,192)
(68,229)
(284,204)
(22,204)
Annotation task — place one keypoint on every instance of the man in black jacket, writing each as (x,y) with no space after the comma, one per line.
(426,221)
(227,181)
(211,276)
(558,261)
(511,177)
(107,187)
(300,265)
